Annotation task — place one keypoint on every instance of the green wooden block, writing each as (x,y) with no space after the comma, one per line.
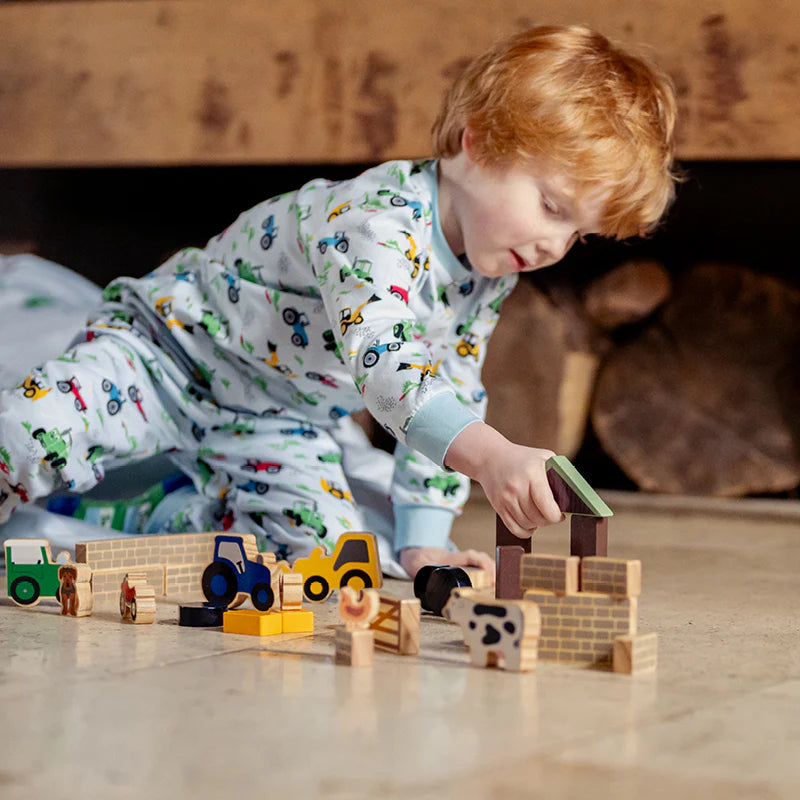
(571,491)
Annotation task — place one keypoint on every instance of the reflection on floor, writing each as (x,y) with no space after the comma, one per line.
(110,709)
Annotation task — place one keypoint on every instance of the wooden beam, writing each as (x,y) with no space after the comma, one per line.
(175,82)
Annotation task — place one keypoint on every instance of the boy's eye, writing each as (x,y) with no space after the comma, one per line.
(549,207)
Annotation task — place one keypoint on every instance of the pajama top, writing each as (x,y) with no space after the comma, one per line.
(326,300)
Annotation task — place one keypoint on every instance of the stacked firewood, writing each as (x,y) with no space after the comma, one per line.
(692,386)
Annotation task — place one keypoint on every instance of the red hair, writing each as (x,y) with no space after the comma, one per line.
(565,99)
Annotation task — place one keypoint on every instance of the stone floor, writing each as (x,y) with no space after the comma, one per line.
(97,708)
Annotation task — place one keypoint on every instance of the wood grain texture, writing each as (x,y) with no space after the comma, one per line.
(175,82)
(704,401)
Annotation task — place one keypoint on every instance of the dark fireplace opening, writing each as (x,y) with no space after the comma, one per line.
(105,222)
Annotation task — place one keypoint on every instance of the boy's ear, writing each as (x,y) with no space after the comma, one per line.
(468,143)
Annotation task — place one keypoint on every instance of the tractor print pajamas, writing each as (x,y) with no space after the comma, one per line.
(244,359)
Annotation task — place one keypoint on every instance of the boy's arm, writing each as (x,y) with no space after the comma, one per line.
(366,287)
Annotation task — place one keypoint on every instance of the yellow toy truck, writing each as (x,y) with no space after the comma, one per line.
(354,562)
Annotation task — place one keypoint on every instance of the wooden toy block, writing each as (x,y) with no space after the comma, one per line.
(571,491)
(137,600)
(106,582)
(504,537)
(268,559)
(301,621)
(291,590)
(396,627)
(200,615)
(559,574)
(354,648)
(75,589)
(434,582)
(508,559)
(179,557)
(636,655)
(502,634)
(588,536)
(479,578)
(581,628)
(358,609)
(618,577)
(252,622)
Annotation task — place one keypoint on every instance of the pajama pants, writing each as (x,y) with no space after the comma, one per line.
(106,402)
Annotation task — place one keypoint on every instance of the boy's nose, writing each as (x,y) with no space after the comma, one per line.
(555,247)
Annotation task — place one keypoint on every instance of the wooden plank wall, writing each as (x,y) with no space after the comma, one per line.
(248,81)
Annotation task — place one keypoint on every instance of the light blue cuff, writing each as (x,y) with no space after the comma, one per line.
(433,428)
(422,526)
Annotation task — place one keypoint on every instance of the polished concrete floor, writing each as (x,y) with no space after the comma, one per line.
(95,708)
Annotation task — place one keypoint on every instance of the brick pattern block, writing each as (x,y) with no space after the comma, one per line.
(581,628)
(634,655)
(558,574)
(615,576)
(173,563)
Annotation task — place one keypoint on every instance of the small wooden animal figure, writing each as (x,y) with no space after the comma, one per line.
(498,633)
(75,589)
(358,609)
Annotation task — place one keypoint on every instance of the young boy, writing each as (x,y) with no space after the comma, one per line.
(244,359)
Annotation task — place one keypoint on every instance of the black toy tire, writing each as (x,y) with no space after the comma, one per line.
(322,594)
(13,593)
(356,573)
(214,569)
(200,615)
(266,602)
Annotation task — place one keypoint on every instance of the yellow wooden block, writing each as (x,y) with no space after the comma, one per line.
(298,621)
(252,623)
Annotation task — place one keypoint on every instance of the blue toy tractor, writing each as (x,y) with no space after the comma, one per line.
(231,573)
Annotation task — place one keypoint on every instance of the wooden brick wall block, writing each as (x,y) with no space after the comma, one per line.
(559,574)
(396,627)
(105,582)
(588,536)
(354,648)
(618,577)
(636,655)
(582,628)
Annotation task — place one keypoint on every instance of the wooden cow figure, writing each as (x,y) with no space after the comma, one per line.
(499,633)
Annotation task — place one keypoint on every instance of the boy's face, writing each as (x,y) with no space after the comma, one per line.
(509,220)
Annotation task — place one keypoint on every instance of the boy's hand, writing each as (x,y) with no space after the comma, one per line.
(412,559)
(512,476)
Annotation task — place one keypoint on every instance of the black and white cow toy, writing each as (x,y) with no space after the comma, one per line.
(499,633)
